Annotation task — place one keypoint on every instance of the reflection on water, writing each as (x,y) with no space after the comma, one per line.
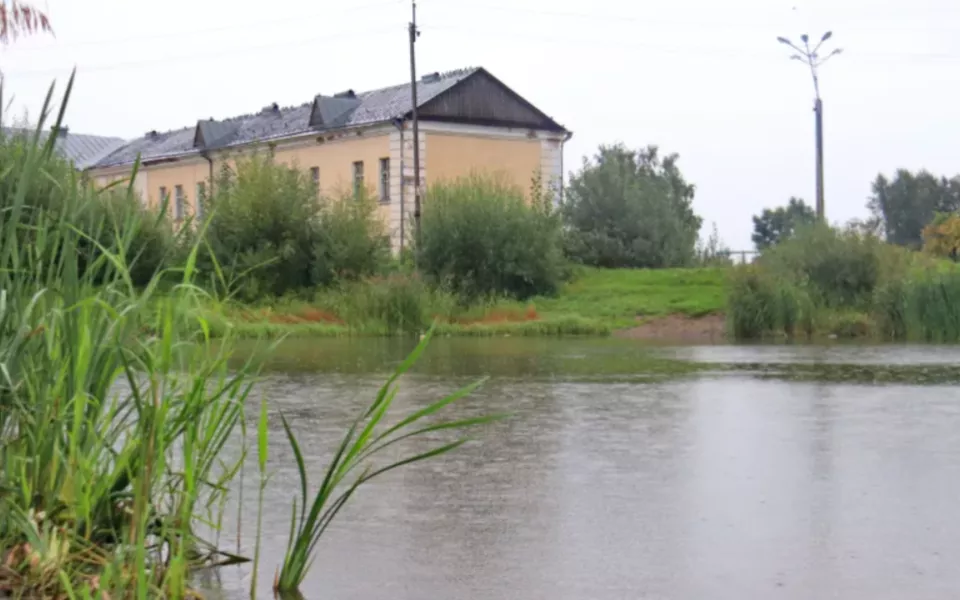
(700,487)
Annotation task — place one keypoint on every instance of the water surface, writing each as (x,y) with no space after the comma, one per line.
(625,475)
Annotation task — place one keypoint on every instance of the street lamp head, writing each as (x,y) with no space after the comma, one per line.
(796,57)
(784,40)
(805,38)
(826,36)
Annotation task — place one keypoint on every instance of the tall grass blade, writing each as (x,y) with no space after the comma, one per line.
(356,450)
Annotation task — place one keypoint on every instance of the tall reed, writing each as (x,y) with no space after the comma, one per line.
(115,405)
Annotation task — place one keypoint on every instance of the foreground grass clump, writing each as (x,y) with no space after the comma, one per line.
(825,281)
(114,406)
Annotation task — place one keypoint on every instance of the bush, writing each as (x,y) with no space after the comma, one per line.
(270,231)
(351,242)
(481,237)
(847,284)
(841,268)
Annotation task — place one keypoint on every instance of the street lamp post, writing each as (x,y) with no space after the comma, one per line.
(811,57)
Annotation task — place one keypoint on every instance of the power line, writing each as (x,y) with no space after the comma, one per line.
(520,38)
(684,22)
(196,32)
(194,56)
(713,51)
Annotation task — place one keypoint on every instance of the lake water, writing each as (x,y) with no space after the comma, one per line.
(624,474)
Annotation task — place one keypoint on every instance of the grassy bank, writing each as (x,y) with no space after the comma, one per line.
(593,302)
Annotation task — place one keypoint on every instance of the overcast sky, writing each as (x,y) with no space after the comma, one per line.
(702,78)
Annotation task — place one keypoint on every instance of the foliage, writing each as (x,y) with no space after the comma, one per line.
(777,225)
(630,209)
(354,459)
(268,226)
(840,268)
(847,284)
(905,205)
(942,236)
(481,237)
(114,403)
(352,241)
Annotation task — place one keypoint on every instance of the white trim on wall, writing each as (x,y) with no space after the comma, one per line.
(551,167)
(491,131)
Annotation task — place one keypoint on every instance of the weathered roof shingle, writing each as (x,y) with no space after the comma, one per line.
(81,149)
(370,107)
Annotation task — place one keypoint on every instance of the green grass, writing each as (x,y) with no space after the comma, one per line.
(616,297)
(594,302)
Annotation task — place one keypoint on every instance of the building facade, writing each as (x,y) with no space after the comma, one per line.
(469,122)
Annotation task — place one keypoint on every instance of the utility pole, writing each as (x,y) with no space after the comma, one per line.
(811,57)
(414,34)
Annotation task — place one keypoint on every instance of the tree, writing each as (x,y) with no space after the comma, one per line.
(910,202)
(18,18)
(630,209)
(777,225)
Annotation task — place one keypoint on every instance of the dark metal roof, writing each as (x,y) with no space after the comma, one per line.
(81,149)
(376,106)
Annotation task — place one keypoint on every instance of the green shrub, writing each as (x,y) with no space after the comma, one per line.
(274,236)
(481,237)
(841,268)
(352,240)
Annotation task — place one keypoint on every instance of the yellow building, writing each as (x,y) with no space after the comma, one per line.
(469,122)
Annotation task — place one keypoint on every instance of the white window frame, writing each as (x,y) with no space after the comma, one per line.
(179,201)
(357,177)
(201,196)
(384,181)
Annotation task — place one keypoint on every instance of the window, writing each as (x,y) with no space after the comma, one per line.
(163,195)
(358,177)
(384,180)
(315,177)
(201,198)
(178,202)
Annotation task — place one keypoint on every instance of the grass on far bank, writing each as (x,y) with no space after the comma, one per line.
(594,302)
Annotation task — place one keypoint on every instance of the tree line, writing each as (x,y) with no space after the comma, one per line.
(916,210)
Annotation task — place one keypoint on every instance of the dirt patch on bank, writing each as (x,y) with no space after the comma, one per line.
(679,329)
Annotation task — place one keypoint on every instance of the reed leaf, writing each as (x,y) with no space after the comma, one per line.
(359,446)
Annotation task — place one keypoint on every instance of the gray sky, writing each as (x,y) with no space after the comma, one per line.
(702,78)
